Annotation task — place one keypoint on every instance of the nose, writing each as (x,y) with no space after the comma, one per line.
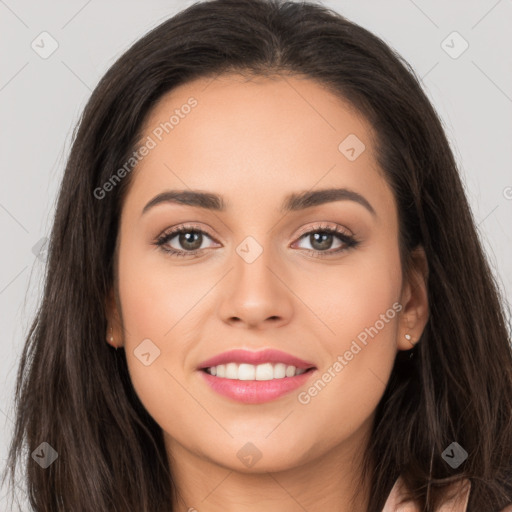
(256,294)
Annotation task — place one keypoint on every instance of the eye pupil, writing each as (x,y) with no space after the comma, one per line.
(322,245)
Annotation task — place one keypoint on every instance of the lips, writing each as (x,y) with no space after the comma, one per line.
(255,387)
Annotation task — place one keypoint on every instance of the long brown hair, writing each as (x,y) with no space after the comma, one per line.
(73,389)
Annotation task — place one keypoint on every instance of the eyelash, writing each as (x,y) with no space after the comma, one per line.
(349,241)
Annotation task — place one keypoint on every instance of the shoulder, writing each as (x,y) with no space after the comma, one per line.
(458,503)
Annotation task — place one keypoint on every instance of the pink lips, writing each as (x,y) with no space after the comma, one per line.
(255,391)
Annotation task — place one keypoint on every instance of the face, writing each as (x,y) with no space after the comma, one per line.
(318,279)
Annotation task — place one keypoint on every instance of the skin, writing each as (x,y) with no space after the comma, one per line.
(253,142)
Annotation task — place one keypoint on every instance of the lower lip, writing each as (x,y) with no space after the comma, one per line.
(255,391)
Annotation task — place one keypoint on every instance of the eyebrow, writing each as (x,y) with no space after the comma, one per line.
(292,202)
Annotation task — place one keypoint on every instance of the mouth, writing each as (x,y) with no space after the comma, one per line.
(255,377)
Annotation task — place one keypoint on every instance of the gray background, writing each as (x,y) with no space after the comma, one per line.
(41,100)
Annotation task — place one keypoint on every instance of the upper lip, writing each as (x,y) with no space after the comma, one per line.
(255,358)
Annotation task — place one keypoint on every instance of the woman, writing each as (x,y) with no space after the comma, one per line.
(265,289)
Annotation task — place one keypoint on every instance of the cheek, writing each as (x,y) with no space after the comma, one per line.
(357,295)
(157,303)
(361,308)
(156,295)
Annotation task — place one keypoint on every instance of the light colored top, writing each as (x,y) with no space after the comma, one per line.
(458,504)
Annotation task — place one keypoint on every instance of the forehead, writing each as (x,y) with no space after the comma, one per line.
(252,139)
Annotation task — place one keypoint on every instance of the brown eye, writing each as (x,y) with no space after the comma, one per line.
(322,239)
(319,240)
(183,241)
(190,240)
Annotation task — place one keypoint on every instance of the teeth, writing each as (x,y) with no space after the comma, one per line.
(279,371)
(231,371)
(265,371)
(243,372)
(290,371)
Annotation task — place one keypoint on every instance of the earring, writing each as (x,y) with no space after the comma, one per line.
(112,336)
(408,337)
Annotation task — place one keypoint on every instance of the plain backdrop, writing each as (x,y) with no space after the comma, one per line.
(467,76)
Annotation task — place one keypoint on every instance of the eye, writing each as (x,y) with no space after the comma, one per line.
(322,238)
(189,241)
(188,238)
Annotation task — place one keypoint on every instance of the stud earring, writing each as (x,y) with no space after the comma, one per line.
(112,336)
(408,337)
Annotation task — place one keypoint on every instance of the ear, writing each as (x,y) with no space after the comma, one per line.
(114,334)
(415,312)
